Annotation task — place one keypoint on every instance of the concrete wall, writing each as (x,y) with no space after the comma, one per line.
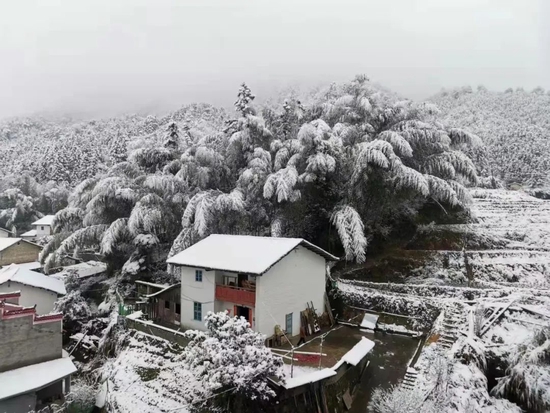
(30,296)
(19,404)
(19,253)
(158,331)
(194,291)
(286,288)
(24,344)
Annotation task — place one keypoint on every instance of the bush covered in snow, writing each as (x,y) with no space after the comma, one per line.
(226,368)
(399,399)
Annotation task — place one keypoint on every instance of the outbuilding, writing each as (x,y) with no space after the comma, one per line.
(17,251)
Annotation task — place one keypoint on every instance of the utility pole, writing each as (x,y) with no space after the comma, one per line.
(321,351)
(292,362)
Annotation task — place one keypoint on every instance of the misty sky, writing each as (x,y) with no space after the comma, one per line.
(104,57)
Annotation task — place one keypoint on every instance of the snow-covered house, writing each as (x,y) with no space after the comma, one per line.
(269,281)
(43,226)
(4,233)
(33,366)
(17,251)
(36,289)
(29,235)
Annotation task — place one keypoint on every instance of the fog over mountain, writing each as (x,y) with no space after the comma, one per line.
(104,57)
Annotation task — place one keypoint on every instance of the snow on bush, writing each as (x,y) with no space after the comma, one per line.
(226,364)
(399,399)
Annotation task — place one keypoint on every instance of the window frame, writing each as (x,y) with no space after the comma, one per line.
(291,315)
(197,311)
(198,276)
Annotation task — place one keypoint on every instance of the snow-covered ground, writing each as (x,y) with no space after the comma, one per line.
(509,269)
(138,380)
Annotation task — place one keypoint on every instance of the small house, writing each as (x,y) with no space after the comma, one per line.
(43,226)
(36,289)
(18,251)
(269,281)
(161,303)
(29,235)
(4,233)
(34,369)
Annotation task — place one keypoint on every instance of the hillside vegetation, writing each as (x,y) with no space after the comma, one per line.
(352,163)
(514,126)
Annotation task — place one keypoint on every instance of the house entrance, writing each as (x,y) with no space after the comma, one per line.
(245,312)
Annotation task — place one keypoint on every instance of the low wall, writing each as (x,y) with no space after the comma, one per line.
(158,331)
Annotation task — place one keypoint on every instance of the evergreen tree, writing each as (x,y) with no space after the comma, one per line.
(171,138)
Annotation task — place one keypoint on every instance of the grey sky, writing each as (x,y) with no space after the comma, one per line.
(109,56)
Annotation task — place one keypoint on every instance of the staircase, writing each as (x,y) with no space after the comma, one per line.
(409,381)
(453,321)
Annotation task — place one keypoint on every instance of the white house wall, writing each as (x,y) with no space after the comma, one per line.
(286,288)
(194,291)
(44,299)
(42,230)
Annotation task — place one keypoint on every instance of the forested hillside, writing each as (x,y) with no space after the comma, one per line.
(349,164)
(514,126)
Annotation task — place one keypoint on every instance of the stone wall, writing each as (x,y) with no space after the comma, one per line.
(20,253)
(24,343)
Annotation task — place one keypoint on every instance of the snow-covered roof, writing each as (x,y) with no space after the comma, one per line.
(358,352)
(8,242)
(34,377)
(166,289)
(309,378)
(150,284)
(5,230)
(83,269)
(30,265)
(31,233)
(45,220)
(241,253)
(24,276)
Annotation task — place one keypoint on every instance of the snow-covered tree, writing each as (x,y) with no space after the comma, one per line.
(227,367)
(527,380)
(171,138)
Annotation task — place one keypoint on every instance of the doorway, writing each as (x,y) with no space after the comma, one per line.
(245,312)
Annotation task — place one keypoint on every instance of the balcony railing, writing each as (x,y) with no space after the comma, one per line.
(237,295)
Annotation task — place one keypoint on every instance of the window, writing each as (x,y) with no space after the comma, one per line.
(198,275)
(167,304)
(197,311)
(288,326)
(178,308)
(42,228)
